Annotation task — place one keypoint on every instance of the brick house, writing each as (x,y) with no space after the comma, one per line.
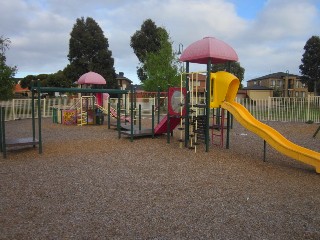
(283,84)
(123,82)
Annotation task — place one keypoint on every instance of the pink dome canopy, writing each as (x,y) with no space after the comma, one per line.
(91,78)
(209,47)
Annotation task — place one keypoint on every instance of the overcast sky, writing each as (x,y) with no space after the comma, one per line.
(268,35)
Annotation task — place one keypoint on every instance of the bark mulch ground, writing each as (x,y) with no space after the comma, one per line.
(88,184)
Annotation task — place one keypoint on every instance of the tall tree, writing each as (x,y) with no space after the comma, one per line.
(27,80)
(161,67)
(147,40)
(235,69)
(310,67)
(89,51)
(7,73)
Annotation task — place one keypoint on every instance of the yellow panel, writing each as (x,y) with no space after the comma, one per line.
(223,86)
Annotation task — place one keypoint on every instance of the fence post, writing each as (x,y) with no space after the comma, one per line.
(44,107)
(13,109)
(269,106)
(308,109)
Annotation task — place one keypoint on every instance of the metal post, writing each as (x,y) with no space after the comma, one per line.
(32,111)
(131,113)
(152,119)
(139,116)
(3,135)
(186,132)
(208,104)
(1,129)
(158,99)
(109,113)
(228,131)
(168,118)
(118,120)
(39,117)
(264,150)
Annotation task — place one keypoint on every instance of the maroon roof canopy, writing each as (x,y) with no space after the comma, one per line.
(91,78)
(209,47)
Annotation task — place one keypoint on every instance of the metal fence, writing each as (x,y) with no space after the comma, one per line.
(289,109)
(271,109)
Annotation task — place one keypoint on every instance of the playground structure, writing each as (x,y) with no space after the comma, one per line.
(221,90)
(184,108)
(86,111)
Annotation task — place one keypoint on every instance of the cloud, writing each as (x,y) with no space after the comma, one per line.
(272,39)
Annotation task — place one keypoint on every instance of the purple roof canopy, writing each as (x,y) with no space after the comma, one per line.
(91,78)
(209,47)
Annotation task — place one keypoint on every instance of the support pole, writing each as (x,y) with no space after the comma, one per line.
(39,118)
(186,132)
(118,120)
(264,150)
(140,117)
(207,104)
(131,113)
(32,112)
(2,146)
(152,119)
(228,131)
(158,100)
(109,113)
(3,134)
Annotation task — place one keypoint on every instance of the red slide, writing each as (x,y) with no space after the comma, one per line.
(162,126)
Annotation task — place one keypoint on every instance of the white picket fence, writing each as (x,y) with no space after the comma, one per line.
(289,109)
(271,109)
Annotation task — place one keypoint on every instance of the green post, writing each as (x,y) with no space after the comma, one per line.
(118,120)
(39,116)
(139,116)
(32,111)
(125,108)
(168,120)
(1,129)
(135,105)
(109,117)
(3,134)
(264,150)
(186,132)
(131,112)
(158,100)
(228,131)
(152,119)
(208,104)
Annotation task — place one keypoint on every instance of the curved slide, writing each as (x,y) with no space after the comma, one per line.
(273,137)
(229,85)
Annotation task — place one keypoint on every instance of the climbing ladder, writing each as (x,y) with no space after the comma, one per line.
(217,128)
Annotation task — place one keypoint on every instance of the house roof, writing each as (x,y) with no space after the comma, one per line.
(19,89)
(121,76)
(278,75)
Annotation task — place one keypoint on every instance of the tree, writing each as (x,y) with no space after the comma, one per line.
(310,67)
(89,51)
(147,40)
(7,73)
(161,68)
(235,69)
(26,82)
(58,79)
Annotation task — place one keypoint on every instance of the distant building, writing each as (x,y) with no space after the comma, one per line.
(123,82)
(256,92)
(283,84)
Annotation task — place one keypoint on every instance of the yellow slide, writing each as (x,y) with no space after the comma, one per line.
(230,86)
